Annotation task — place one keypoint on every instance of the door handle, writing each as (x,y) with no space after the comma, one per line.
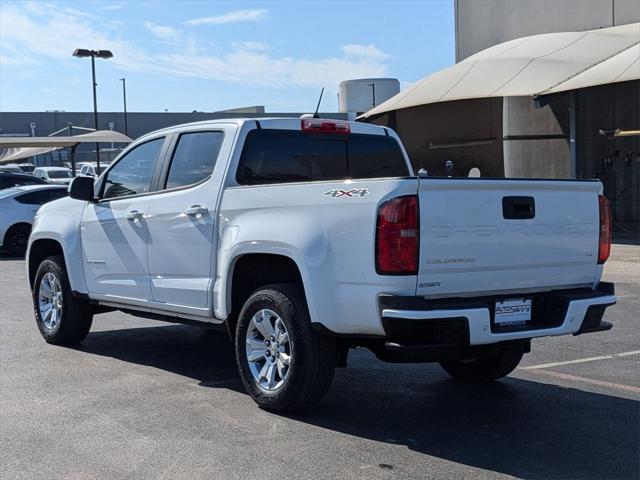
(196,210)
(518,208)
(134,215)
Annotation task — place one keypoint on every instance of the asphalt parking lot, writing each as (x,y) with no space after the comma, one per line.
(143,399)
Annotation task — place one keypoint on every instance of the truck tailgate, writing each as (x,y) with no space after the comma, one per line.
(498,236)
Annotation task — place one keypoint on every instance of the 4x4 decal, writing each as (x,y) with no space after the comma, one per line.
(356,192)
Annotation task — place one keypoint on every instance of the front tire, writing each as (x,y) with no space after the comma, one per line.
(284,364)
(62,318)
(16,239)
(483,369)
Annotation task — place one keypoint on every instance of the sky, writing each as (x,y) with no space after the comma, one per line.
(182,56)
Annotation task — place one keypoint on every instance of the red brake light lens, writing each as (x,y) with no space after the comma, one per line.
(398,237)
(604,245)
(318,125)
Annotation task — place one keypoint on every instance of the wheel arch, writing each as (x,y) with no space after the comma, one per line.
(13,227)
(250,271)
(38,251)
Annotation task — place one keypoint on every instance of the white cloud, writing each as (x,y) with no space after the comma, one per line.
(77,13)
(234,16)
(256,67)
(56,33)
(163,32)
(23,34)
(249,46)
(113,6)
(365,51)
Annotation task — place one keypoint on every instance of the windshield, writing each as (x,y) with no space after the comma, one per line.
(6,169)
(59,173)
(7,192)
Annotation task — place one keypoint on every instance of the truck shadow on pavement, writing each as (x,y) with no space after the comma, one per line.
(516,427)
(204,355)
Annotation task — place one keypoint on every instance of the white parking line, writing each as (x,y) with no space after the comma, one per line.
(592,381)
(580,360)
(626,354)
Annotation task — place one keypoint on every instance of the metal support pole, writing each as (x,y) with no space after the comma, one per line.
(124,99)
(73,159)
(73,150)
(373,90)
(573,143)
(95,106)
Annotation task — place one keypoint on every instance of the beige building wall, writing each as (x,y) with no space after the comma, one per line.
(533,144)
(483,23)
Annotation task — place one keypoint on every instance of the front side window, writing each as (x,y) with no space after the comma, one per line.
(194,158)
(56,193)
(133,173)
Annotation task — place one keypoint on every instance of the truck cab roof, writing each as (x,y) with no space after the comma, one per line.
(279,123)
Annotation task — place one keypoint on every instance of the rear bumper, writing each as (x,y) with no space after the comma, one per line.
(414,321)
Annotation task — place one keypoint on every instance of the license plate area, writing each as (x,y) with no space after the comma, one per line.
(512,312)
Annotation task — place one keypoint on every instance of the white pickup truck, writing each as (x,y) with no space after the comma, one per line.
(304,238)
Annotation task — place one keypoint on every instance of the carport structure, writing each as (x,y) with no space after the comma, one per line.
(20,148)
(532,107)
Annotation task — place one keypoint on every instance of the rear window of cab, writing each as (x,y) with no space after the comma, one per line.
(282,156)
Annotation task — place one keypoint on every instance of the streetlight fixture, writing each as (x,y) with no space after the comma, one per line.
(124,99)
(104,54)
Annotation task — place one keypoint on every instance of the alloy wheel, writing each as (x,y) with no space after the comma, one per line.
(269,350)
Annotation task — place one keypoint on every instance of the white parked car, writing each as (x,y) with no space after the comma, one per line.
(18,206)
(27,167)
(91,169)
(59,175)
(304,238)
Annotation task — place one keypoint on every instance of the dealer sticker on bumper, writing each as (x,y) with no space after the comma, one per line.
(513,311)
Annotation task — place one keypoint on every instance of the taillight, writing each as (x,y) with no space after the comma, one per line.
(397,237)
(318,125)
(604,245)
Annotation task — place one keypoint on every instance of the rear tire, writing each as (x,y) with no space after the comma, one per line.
(284,364)
(62,318)
(483,369)
(16,239)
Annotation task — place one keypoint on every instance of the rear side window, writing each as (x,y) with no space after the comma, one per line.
(41,197)
(278,156)
(194,158)
(34,198)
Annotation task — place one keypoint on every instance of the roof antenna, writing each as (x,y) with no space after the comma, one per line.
(315,115)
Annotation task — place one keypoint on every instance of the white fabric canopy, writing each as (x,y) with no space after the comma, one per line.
(11,155)
(529,66)
(18,148)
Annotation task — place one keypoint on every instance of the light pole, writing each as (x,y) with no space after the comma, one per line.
(124,99)
(105,54)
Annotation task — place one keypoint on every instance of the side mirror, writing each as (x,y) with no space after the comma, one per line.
(81,188)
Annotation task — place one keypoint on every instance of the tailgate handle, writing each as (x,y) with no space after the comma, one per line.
(518,208)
